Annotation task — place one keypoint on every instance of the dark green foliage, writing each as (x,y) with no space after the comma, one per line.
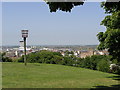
(116,70)
(49,57)
(110,6)
(6,59)
(95,62)
(103,65)
(3,58)
(112,21)
(68,61)
(110,39)
(21,59)
(64,6)
(89,62)
(79,62)
(115,61)
(56,59)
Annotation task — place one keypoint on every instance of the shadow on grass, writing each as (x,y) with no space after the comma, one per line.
(112,87)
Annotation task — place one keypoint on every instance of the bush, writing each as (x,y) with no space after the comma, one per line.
(43,57)
(3,58)
(21,59)
(115,61)
(103,65)
(6,59)
(90,62)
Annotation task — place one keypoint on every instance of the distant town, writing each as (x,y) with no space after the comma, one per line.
(81,51)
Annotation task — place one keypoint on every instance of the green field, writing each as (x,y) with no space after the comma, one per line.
(35,75)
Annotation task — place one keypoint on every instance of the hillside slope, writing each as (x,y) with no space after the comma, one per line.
(35,75)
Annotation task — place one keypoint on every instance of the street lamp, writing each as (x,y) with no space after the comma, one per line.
(24,35)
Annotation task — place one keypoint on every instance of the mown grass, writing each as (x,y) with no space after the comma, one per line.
(35,75)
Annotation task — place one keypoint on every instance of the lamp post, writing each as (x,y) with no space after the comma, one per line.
(24,35)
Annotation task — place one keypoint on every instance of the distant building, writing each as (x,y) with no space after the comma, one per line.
(86,53)
(21,48)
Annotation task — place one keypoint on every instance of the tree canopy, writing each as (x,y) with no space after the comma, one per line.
(110,39)
(109,6)
(64,6)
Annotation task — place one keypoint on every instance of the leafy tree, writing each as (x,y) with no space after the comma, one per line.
(21,59)
(3,58)
(92,62)
(64,6)
(68,61)
(57,59)
(103,65)
(109,6)
(43,57)
(110,39)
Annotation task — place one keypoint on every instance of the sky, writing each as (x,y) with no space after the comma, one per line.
(0,24)
(78,27)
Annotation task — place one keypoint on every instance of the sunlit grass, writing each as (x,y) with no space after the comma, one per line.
(35,75)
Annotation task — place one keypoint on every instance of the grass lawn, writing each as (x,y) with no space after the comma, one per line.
(35,75)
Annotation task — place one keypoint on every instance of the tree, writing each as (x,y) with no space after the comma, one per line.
(64,6)
(110,39)
(3,58)
(103,65)
(109,6)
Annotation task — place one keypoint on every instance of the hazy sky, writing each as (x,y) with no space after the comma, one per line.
(0,23)
(79,27)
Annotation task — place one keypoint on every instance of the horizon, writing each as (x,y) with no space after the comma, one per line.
(51,45)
